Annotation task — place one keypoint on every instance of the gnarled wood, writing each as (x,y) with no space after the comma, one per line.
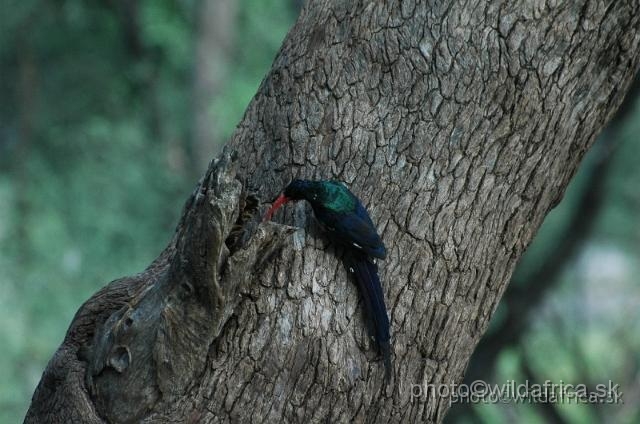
(144,340)
(459,124)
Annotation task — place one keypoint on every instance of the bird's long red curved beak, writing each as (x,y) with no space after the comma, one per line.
(281,200)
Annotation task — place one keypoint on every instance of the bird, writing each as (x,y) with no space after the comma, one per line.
(347,223)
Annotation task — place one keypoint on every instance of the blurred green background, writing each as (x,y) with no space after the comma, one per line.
(109,113)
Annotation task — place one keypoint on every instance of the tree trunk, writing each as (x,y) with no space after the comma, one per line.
(458,123)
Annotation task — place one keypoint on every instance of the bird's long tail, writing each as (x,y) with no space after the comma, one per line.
(366,275)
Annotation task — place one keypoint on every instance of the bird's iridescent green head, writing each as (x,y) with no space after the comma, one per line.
(328,194)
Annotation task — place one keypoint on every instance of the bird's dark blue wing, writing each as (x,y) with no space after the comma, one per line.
(353,230)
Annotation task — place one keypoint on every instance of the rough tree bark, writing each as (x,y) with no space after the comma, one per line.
(458,123)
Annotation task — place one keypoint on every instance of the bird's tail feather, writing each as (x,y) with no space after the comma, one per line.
(366,275)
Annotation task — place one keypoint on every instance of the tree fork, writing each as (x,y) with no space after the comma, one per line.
(459,125)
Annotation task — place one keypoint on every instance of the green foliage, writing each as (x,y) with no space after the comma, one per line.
(619,222)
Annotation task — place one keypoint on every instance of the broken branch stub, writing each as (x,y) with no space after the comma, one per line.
(153,346)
